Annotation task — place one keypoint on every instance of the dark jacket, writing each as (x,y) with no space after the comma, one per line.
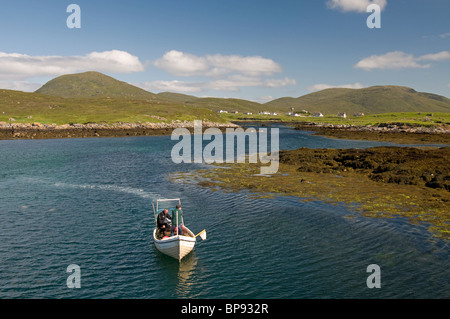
(162,219)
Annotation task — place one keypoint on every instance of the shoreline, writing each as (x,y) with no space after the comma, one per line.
(396,133)
(16,131)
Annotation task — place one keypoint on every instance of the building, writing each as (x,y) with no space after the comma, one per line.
(318,114)
(222,111)
(343,115)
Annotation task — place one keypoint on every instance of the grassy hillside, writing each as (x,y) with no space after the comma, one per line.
(95,97)
(372,100)
(93,84)
(36,107)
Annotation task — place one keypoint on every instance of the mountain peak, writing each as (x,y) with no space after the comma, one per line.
(92,84)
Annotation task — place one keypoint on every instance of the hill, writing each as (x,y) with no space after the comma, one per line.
(23,107)
(95,97)
(93,85)
(372,100)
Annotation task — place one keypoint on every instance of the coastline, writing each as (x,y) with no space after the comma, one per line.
(396,133)
(14,131)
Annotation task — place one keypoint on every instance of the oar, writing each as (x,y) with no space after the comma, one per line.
(202,234)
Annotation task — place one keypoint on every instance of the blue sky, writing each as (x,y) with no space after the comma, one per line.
(255,50)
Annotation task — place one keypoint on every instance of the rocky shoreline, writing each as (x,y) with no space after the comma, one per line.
(389,132)
(398,133)
(37,130)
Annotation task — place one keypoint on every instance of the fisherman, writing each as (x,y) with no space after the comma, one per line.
(177,218)
(164,221)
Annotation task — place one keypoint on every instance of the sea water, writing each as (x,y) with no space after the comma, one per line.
(87,202)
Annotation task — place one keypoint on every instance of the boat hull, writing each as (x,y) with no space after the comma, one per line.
(176,246)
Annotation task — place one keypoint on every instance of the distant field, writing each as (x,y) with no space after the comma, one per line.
(413,118)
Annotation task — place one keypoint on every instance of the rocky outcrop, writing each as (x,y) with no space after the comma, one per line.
(38,130)
(396,133)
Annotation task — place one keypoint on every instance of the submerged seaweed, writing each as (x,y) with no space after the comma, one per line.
(378,182)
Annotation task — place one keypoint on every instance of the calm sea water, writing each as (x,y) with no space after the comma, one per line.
(88,202)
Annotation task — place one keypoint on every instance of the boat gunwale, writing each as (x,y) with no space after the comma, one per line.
(174,238)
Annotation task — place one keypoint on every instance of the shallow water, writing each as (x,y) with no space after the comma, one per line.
(88,202)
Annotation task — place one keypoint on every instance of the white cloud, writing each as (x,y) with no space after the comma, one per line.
(20,86)
(186,64)
(229,84)
(220,72)
(444,55)
(391,60)
(16,66)
(444,35)
(172,86)
(320,87)
(400,60)
(354,5)
(276,83)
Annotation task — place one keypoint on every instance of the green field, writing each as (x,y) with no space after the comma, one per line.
(34,107)
(408,118)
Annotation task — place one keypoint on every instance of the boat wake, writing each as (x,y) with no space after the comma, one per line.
(103,187)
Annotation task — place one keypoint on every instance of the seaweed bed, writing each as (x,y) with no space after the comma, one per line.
(400,165)
(382,182)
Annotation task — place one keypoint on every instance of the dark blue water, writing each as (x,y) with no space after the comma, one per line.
(88,202)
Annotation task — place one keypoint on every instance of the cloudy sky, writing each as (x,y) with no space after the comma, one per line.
(252,49)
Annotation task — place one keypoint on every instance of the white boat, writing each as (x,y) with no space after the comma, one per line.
(176,246)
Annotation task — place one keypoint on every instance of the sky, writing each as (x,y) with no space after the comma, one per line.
(255,50)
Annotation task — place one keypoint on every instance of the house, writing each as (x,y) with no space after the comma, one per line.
(343,115)
(235,112)
(248,113)
(264,113)
(358,114)
(295,114)
(318,114)
(273,113)
(222,111)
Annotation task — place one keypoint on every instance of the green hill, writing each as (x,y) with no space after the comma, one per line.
(372,100)
(95,97)
(93,84)
(22,107)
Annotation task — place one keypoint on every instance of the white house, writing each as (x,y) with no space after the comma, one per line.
(222,111)
(318,114)
(343,115)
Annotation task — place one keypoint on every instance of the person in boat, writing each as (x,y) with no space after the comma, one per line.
(177,216)
(164,221)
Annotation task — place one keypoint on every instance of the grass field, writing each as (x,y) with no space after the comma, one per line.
(412,118)
(34,107)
